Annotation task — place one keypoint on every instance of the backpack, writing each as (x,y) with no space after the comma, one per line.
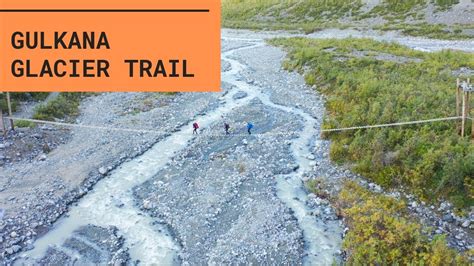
(250,125)
(195,125)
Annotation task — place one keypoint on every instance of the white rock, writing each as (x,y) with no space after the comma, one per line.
(9,251)
(16,248)
(103,170)
(147,204)
(317,201)
(375,187)
(466,224)
(443,206)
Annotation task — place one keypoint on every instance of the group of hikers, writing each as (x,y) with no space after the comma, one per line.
(226,128)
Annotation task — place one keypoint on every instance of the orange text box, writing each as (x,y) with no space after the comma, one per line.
(89,45)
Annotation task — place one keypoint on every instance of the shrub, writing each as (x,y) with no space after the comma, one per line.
(337,152)
(445,4)
(64,105)
(381,234)
(16,97)
(23,123)
(318,187)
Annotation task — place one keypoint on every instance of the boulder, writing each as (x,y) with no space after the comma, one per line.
(42,157)
(103,170)
(448,218)
(466,223)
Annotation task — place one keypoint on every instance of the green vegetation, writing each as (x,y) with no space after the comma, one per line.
(380,232)
(318,187)
(4,106)
(427,30)
(16,97)
(444,4)
(431,160)
(394,10)
(23,123)
(309,15)
(314,15)
(63,106)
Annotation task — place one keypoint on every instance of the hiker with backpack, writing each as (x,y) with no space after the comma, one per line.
(195,128)
(249,128)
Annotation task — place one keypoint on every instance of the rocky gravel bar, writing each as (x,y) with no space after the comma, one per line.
(171,197)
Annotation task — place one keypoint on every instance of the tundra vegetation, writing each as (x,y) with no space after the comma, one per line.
(444,4)
(17,97)
(435,31)
(308,15)
(65,105)
(382,233)
(430,160)
(313,15)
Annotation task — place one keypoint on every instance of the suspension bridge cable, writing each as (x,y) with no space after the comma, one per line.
(394,124)
(214,134)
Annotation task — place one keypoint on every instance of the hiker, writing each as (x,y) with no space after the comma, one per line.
(195,128)
(226,127)
(249,128)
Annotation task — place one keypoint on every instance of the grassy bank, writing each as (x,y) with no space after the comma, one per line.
(396,10)
(313,15)
(17,97)
(308,16)
(428,30)
(65,105)
(381,232)
(431,160)
(444,4)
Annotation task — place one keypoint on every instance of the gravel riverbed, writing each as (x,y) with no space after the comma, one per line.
(209,198)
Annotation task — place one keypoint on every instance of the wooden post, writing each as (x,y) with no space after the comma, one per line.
(10,111)
(468,110)
(458,104)
(2,125)
(464,109)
